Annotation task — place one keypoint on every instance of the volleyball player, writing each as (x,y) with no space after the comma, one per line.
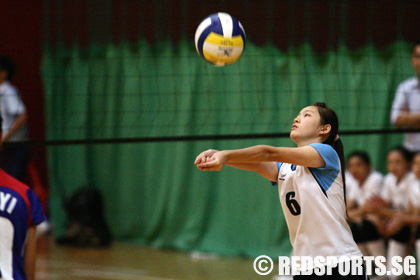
(20,213)
(310,182)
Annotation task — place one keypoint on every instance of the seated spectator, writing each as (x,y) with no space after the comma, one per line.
(396,194)
(363,183)
(402,219)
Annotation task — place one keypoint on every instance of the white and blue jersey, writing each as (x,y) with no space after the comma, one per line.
(313,204)
(19,209)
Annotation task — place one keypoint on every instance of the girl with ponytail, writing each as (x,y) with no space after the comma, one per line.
(311,186)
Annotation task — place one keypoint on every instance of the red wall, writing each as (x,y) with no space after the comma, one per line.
(21,38)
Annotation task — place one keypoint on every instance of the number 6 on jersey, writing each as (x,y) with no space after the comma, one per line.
(292,204)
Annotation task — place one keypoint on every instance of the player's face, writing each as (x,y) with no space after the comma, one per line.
(358,168)
(397,164)
(415,59)
(306,126)
(415,165)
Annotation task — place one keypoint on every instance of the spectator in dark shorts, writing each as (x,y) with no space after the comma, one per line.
(363,183)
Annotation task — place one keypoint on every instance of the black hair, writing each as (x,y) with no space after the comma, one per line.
(360,154)
(407,155)
(7,64)
(328,116)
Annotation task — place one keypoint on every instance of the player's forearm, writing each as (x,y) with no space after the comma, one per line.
(266,169)
(257,158)
(304,156)
(254,154)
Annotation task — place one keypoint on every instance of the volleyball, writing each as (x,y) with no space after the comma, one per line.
(220,39)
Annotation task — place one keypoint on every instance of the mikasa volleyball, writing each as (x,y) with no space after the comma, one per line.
(220,39)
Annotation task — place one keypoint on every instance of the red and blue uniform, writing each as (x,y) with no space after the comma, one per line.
(20,209)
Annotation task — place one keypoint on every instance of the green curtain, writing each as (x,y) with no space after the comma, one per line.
(153,193)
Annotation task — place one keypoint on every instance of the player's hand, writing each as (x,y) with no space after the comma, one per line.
(204,156)
(210,160)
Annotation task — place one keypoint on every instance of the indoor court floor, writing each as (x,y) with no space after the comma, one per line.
(124,261)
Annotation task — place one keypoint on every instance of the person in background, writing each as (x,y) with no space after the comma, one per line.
(401,219)
(15,159)
(363,183)
(405,110)
(20,213)
(395,198)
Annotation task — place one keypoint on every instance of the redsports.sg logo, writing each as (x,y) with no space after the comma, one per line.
(305,265)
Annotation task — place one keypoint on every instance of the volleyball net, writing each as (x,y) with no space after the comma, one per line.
(128,69)
(126,74)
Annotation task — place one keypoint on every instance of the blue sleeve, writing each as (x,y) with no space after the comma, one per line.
(37,213)
(325,176)
(278,170)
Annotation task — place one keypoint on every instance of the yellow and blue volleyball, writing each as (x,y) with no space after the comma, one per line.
(220,39)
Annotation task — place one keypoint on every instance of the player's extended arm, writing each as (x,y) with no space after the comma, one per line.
(215,161)
(268,170)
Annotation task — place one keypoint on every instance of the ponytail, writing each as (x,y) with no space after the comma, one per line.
(339,148)
(328,116)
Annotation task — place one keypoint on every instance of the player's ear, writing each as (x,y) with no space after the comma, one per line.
(326,129)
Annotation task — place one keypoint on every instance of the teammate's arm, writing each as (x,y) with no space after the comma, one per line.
(30,252)
(401,219)
(354,213)
(379,206)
